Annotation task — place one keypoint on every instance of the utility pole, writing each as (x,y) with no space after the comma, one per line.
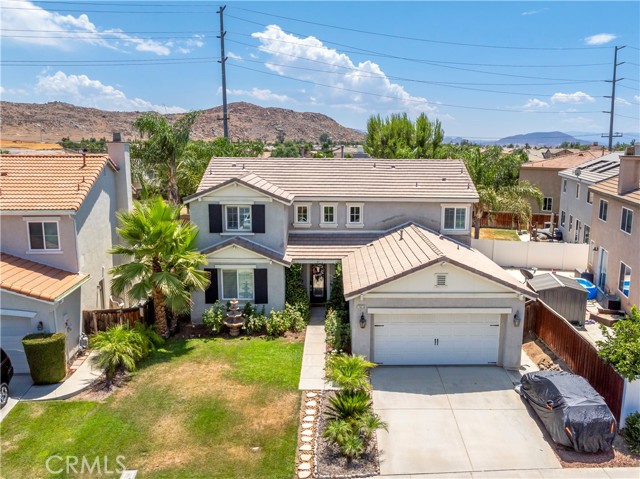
(613,94)
(222,61)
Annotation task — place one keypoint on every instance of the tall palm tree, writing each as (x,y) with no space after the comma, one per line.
(164,260)
(164,145)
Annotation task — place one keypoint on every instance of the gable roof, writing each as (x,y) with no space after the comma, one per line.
(560,162)
(543,282)
(610,188)
(410,248)
(37,280)
(595,170)
(346,177)
(250,180)
(251,246)
(48,182)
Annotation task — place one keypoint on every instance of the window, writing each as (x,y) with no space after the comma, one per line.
(562,218)
(547,204)
(43,236)
(564,186)
(354,214)
(577,190)
(570,222)
(302,215)
(328,214)
(626,220)
(238,218)
(602,213)
(589,197)
(455,218)
(587,234)
(237,284)
(576,237)
(624,283)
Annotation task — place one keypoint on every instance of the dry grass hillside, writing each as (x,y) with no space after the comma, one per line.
(49,122)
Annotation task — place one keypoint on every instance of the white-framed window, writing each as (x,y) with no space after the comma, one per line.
(562,218)
(589,196)
(237,218)
(328,214)
(587,234)
(455,218)
(624,281)
(626,220)
(238,284)
(43,234)
(564,186)
(355,214)
(302,214)
(577,190)
(602,212)
(547,203)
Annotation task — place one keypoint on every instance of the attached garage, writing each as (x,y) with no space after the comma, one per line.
(12,329)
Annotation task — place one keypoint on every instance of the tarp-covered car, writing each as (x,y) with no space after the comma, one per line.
(572,411)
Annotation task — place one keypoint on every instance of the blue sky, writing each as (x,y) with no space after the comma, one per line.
(485,69)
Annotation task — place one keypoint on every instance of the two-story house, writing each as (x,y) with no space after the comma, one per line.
(615,232)
(576,202)
(58,215)
(404,224)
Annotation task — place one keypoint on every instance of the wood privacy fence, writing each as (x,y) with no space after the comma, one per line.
(102,319)
(581,357)
(505,219)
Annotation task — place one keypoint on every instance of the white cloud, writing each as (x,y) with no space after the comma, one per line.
(577,97)
(622,101)
(51,29)
(1,89)
(288,53)
(533,12)
(535,103)
(600,39)
(258,93)
(83,91)
(233,56)
(636,97)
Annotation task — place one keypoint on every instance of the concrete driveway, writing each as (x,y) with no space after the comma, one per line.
(455,419)
(20,384)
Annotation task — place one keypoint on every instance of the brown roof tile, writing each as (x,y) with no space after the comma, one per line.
(325,246)
(48,182)
(251,246)
(561,162)
(36,280)
(610,188)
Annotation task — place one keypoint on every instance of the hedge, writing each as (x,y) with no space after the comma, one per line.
(46,357)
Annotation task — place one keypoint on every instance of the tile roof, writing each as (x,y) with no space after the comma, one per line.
(48,182)
(251,246)
(595,170)
(410,248)
(347,177)
(325,246)
(252,181)
(543,282)
(36,280)
(560,162)
(610,188)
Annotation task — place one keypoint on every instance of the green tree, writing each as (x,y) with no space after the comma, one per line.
(162,147)
(398,137)
(288,149)
(621,347)
(164,259)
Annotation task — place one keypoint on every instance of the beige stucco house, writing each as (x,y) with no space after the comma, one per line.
(257,216)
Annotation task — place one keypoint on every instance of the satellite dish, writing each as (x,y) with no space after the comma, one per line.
(526,273)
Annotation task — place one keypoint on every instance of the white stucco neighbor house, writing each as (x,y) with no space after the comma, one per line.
(257,216)
(58,215)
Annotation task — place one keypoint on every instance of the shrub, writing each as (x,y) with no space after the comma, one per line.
(631,432)
(337,329)
(295,292)
(336,297)
(249,310)
(621,348)
(349,404)
(257,324)
(118,348)
(367,424)
(348,371)
(213,318)
(294,318)
(277,324)
(352,446)
(337,430)
(46,355)
(147,337)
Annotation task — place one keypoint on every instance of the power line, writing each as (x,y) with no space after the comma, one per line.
(144,12)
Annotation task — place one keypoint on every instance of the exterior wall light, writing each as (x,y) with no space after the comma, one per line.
(363,321)
(516,319)
(40,326)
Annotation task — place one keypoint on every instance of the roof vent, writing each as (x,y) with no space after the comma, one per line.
(393,166)
(578,172)
(444,179)
(441,279)
(374,165)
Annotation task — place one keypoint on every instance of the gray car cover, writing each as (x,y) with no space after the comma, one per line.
(572,411)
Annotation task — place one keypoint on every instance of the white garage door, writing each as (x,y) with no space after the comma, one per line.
(12,330)
(420,339)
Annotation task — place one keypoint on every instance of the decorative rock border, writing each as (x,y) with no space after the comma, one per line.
(306,443)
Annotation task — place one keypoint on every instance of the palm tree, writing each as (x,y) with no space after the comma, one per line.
(164,259)
(164,145)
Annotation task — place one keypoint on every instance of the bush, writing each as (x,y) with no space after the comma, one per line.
(336,297)
(349,404)
(147,337)
(46,355)
(257,324)
(294,318)
(349,372)
(631,432)
(277,324)
(118,348)
(337,329)
(213,318)
(295,292)
(249,310)
(621,348)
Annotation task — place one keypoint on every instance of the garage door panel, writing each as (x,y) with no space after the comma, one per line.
(436,339)
(12,330)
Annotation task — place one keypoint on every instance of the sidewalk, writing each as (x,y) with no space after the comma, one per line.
(312,373)
(567,473)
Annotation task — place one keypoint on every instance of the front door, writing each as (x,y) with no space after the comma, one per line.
(318,283)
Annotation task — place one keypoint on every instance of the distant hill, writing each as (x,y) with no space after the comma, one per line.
(546,138)
(53,121)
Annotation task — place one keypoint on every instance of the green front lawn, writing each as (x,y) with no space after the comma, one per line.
(197,409)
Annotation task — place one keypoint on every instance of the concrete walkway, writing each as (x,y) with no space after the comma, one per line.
(312,373)
(568,473)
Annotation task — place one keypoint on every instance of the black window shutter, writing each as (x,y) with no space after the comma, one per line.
(211,293)
(261,288)
(257,218)
(215,218)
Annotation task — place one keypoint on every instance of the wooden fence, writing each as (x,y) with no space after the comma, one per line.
(101,319)
(505,219)
(581,357)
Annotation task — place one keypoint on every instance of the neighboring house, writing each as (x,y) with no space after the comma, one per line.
(544,175)
(576,203)
(58,215)
(257,216)
(615,232)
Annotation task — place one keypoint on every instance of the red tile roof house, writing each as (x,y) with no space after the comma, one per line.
(418,293)
(58,219)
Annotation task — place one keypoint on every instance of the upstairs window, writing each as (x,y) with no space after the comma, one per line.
(564,186)
(602,212)
(547,204)
(577,190)
(43,236)
(626,220)
(589,197)
(238,218)
(302,215)
(328,214)
(455,218)
(354,214)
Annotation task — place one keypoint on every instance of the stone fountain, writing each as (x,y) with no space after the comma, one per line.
(234,320)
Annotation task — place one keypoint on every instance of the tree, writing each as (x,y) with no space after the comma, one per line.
(163,146)
(621,348)
(398,137)
(288,149)
(164,259)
